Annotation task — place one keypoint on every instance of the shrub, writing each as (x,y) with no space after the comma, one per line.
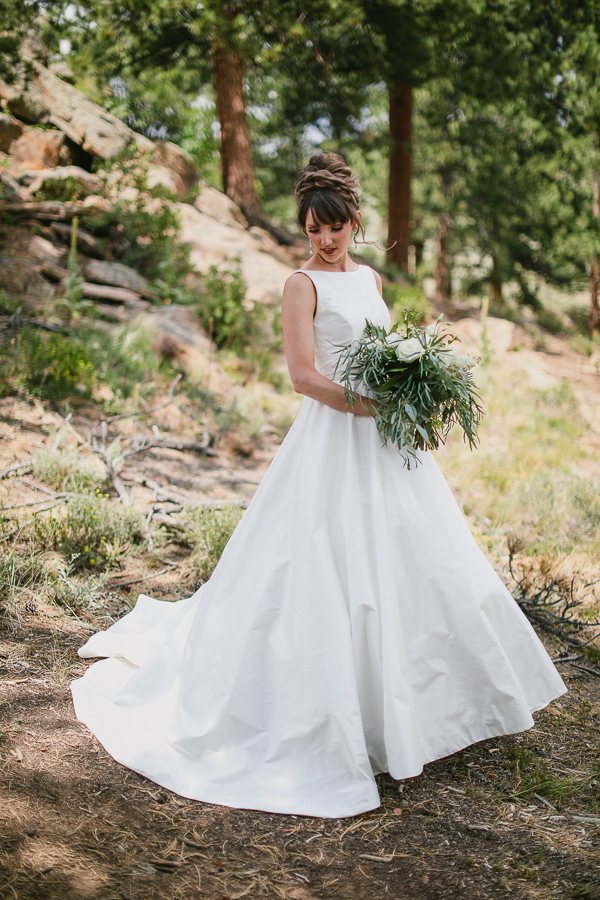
(208,531)
(68,470)
(402,297)
(63,189)
(141,227)
(8,304)
(123,359)
(18,571)
(49,367)
(550,321)
(95,533)
(225,312)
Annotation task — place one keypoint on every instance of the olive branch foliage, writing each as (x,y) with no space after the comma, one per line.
(418,401)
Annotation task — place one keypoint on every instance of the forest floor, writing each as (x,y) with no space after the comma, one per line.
(517,816)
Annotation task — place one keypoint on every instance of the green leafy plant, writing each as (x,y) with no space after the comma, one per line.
(64,190)
(421,385)
(230,320)
(94,533)
(208,531)
(47,366)
(141,227)
(8,304)
(404,297)
(69,470)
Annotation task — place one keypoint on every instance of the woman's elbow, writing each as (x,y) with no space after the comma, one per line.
(301,382)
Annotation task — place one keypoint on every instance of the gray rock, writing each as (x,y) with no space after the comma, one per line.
(85,242)
(20,277)
(118,275)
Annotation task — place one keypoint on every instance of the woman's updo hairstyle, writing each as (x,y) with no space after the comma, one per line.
(327,188)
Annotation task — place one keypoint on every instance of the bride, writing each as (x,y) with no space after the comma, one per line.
(352,625)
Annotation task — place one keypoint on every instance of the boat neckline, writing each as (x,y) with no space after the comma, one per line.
(324,272)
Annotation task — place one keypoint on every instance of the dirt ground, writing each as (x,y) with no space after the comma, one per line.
(75,824)
(517,816)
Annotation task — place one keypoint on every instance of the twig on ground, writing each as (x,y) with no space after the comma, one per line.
(586,669)
(169,492)
(143,577)
(153,409)
(16,467)
(54,502)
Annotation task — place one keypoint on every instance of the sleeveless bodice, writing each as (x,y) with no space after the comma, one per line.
(345,300)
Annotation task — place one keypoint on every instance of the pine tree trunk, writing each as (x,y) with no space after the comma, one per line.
(236,152)
(401,113)
(496,282)
(442,263)
(593,315)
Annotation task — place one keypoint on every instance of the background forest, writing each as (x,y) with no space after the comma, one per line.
(148,156)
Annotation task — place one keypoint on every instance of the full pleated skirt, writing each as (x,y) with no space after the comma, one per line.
(352,626)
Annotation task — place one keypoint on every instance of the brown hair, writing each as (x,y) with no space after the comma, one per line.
(327,188)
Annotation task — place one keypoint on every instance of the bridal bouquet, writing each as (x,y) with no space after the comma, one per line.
(421,384)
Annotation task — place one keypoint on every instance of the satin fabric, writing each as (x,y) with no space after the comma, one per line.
(352,626)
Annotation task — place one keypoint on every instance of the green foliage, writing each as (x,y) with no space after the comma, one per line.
(138,231)
(535,777)
(422,387)
(94,533)
(403,297)
(47,366)
(63,189)
(69,470)
(8,304)
(550,321)
(208,531)
(17,571)
(124,359)
(224,311)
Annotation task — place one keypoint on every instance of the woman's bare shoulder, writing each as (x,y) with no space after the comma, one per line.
(299,283)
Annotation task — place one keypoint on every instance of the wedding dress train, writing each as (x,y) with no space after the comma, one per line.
(352,626)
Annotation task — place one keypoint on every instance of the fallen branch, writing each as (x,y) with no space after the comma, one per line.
(47,210)
(16,467)
(153,409)
(170,493)
(143,577)
(55,502)
(173,443)
(16,321)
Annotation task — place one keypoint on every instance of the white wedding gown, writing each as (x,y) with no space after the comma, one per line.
(353,626)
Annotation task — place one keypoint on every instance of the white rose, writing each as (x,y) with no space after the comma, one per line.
(456,360)
(409,350)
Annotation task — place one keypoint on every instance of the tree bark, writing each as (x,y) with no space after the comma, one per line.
(442,263)
(496,283)
(593,315)
(236,152)
(401,114)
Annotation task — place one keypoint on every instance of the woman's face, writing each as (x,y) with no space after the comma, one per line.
(330,242)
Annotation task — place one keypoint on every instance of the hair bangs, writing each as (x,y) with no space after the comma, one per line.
(327,208)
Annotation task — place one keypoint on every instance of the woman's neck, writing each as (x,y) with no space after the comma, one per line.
(317,264)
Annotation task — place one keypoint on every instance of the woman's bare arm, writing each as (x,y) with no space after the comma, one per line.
(297,313)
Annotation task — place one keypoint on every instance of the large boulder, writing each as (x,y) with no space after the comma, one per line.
(160,176)
(213,243)
(10,130)
(164,153)
(19,277)
(40,149)
(218,206)
(46,99)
